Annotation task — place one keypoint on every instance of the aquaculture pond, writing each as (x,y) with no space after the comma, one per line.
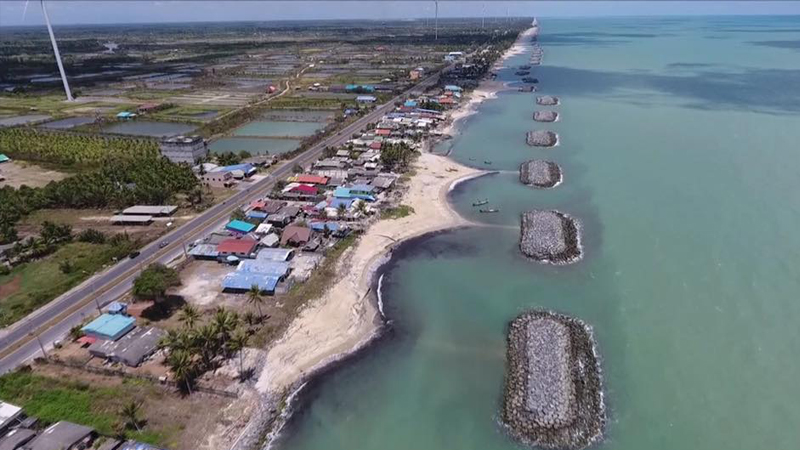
(278,129)
(678,144)
(255,146)
(68,123)
(149,128)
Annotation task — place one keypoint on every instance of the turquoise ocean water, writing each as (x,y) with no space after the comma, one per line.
(679,147)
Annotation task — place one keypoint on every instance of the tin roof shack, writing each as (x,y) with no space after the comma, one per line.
(242,248)
(275,254)
(132,349)
(63,436)
(204,251)
(109,326)
(16,438)
(145,210)
(295,235)
(131,220)
(8,415)
(383,182)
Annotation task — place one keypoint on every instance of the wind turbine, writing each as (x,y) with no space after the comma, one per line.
(436,22)
(55,48)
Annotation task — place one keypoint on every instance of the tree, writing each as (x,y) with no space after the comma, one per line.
(225,322)
(76,332)
(153,282)
(130,413)
(341,211)
(182,367)
(238,214)
(237,344)
(254,298)
(92,236)
(189,316)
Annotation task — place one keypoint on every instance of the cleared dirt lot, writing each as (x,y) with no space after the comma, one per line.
(18,173)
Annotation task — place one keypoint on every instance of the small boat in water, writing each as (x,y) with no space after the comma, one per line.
(524,67)
(522,72)
(488,163)
(480,202)
(530,80)
(491,210)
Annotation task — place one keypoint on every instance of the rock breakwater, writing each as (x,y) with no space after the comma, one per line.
(545,116)
(540,173)
(547,100)
(550,236)
(553,393)
(541,138)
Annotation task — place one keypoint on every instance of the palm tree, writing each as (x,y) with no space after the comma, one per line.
(130,412)
(249,317)
(189,316)
(254,297)
(237,344)
(341,210)
(361,207)
(182,367)
(206,342)
(225,322)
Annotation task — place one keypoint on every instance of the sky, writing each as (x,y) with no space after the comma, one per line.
(147,11)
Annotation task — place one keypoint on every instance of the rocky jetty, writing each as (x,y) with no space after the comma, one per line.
(545,116)
(548,100)
(541,138)
(540,173)
(553,392)
(550,236)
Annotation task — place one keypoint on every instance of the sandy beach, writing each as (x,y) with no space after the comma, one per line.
(345,318)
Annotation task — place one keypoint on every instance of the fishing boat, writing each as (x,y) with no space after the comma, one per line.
(491,210)
(530,80)
(522,72)
(524,67)
(480,202)
(488,163)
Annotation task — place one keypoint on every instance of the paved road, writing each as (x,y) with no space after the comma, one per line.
(53,321)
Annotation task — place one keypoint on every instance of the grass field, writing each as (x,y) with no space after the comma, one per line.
(96,401)
(36,283)
(397,212)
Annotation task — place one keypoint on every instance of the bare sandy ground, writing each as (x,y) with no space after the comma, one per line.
(345,319)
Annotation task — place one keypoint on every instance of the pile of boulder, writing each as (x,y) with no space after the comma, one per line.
(550,237)
(553,392)
(541,138)
(545,116)
(540,173)
(547,100)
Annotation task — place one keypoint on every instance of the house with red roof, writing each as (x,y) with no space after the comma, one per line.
(312,179)
(241,248)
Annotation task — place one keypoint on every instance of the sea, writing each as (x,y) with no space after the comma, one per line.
(679,148)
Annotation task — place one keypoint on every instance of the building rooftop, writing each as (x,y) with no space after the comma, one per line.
(131,349)
(8,413)
(131,219)
(158,210)
(204,251)
(240,226)
(16,438)
(109,326)
(61,435)
(274,254)
(242,281)
(237,246)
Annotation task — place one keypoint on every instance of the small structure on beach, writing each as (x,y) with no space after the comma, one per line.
(553,391)
(540,173)
(547,100)
(545,116)
(550,237)
(541,138)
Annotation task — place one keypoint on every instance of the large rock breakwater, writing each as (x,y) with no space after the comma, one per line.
(541,138)
(540,173)
(547,100)
(550,237)
(545,116)
(553,393)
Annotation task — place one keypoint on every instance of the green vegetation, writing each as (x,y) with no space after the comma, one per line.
(397,156)
(397,212)
(32,284)
(153,282)
(120,183)
(112,411)
(71,149)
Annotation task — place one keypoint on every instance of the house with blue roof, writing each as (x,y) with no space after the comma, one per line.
(109,327)
(247,169)
(359,88)
(242,282)
(256,215)
(350,193)
(263,266)
(126,115)
(410,103)
(240,226)
(366,99)
(452,88)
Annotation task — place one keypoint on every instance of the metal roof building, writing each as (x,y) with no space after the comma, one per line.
(8,414)
(15,439)
(133,220)
(204,251)
(132,348)
(275,254)
(61,435)
(240,226)
(144,210)
(265,267)
(109,326)
(242,281)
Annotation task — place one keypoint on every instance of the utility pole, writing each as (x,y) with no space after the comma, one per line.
(41,346)
(436,22)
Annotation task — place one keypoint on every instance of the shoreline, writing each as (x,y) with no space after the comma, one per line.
(348,318)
